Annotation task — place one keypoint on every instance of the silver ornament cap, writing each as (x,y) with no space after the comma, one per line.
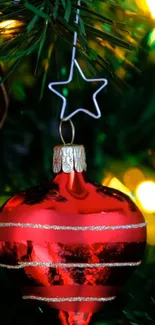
(68,158)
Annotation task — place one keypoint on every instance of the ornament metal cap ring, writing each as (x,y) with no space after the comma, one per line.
(73,132)
(69,156)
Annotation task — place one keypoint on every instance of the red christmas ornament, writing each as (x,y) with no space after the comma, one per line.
(71,244)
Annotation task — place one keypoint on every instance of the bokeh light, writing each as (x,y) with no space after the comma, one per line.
(151,6)
(11,26)
(151,38)
(147,5)
(145,193)
(118,185)
(132,177)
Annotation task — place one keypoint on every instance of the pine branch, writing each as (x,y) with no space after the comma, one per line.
(43,18)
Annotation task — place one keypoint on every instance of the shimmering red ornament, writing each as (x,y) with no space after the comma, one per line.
(71,244)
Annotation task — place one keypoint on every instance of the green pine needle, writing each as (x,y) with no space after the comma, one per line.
(56,18)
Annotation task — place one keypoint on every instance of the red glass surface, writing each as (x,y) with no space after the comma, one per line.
(69,200)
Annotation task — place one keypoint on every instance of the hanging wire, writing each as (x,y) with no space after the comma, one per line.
(73,64)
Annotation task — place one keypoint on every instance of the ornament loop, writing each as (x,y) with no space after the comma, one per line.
(73,132)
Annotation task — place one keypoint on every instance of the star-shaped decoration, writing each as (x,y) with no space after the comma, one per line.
(64,100)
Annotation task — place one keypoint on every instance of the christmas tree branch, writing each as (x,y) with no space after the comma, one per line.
(44,18)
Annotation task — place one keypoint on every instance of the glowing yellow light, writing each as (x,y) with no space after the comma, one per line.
(146,195)
(115,183)
(132,178)
(9,26)
(150,231)
(151,6)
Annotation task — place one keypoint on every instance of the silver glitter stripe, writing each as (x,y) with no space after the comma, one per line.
(67,265)
(76,228)
(69,299)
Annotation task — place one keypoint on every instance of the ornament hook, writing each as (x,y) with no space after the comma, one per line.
(74,64)
(73,132)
